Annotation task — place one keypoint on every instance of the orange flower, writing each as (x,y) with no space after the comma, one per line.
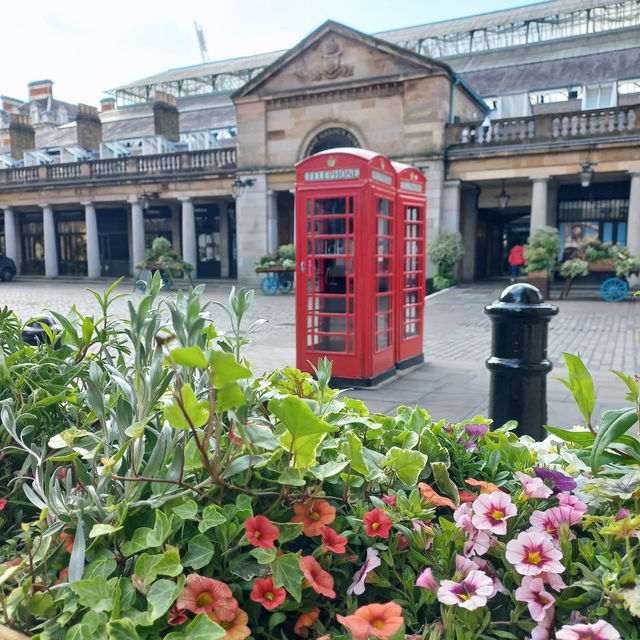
(236,629)
(377,620)
(434,498)
(305,620)
(260,532)
(313,515)
(377,523)
(67,541)
(266,594)
(203,595)
(485,487)
(465,496)
(321,581)
(333,541)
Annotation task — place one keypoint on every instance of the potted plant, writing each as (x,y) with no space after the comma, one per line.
(445,251)
(163,258)
(541,253)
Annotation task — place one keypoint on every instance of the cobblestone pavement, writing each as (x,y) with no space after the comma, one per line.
(453,382)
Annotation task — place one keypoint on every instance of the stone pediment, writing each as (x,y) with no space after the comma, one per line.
(335,54)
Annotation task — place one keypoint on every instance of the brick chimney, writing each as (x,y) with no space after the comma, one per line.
(7,103)
(166,121)
(107,104)
(22,137)
(40,89)
(88,127)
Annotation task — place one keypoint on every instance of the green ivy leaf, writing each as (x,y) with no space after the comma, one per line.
(263,556)
(226,369)
(161,596)
(203,628)
(305,431)
(189,357)
(292,477)
(212,516)
(186,510)
(407,464)
(328,469)
(230,397)
(102,530)
(122,629)
(166,564)
(197,410)
(145,538)
(288,531)
(352,448)
(199,553)
(95,594)
(287,574)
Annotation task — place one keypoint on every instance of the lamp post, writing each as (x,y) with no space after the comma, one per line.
(585,173)
(145,198)
(238,186)
(503,198)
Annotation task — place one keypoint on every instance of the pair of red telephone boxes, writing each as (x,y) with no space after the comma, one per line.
(360,272)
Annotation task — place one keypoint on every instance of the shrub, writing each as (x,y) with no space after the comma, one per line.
(542,249)
(445,251)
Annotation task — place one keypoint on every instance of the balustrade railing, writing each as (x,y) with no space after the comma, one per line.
(579,125)
(209,160)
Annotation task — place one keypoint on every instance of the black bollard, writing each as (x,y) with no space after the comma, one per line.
(34,334)
(518,362)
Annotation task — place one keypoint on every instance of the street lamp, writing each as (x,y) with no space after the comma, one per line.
(503,198)
(145,198)
(585,173)
(238,186)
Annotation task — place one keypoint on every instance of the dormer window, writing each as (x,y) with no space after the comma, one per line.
(34,113)
(599,96)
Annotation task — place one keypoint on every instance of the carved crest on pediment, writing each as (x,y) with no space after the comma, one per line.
(328,67)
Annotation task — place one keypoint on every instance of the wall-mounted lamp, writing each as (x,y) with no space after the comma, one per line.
(503,198)
(145,198)
(238,186)
(586,173)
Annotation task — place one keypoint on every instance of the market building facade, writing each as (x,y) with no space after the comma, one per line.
(501,112)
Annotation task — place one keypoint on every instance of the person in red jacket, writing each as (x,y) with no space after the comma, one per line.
(516,260)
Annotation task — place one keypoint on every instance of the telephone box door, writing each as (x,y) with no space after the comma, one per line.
(411,241)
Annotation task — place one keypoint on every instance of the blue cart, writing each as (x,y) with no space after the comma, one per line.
(276,279)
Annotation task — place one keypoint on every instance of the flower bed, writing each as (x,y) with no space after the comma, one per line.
(174,496)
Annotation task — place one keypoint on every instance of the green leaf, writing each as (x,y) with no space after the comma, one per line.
(288,531)
(305,431)
(632,385)
(580,384)
(230,397)
(94,594)
(103,566)
(582,438)
(352,448)
(275,619)
(261,436)
(186,510)
(263,556)
(102,530)
(226,369)
(145,538)
(613,424)
(407,464)
(40,604)
(291,477)
(444,482)
(199,553)
(166,564)
(197,410)
(287,574)
(328,469)
(189,357)
(203,628)
(122,629)
(161,596)
(212,516)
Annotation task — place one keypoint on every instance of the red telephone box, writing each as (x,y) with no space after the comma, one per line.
(411,210)
(346,271)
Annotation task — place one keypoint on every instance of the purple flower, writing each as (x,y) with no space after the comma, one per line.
(427,581)
(559,481)
(372,561)
(476,430)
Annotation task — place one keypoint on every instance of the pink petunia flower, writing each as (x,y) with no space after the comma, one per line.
(533,487)
(478,542)
(498,587)
(553,520)
(538,600)
(568,500)
(491,512)
(470,593)
(600,630)
(464,567)
(426,580)
(371,562)
(554,580)
(543,630)
(532,553)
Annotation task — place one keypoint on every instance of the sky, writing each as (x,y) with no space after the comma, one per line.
(87,47)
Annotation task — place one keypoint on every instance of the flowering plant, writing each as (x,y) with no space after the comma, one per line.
(191,501)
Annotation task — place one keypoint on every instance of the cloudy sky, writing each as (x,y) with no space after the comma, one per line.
(88,47)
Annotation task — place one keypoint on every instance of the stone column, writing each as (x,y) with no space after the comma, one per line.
(251,228)
(469,226)
(189,248)
(137,231)
(93,244)
(11,235)
(633,223)
(50,242)
(539,204)
(272,221)
(450,218)
(224,240)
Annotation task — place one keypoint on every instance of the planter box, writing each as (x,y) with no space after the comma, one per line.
(10,634)
(540,280)
(601,266)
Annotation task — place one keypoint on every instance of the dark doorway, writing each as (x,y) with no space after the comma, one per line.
(209,240)
(496,233)
(114,242)
(232,247)
(32,243)
(157,224)
(2,242)
(72,243)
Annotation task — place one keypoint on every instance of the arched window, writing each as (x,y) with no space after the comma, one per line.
(331,139)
